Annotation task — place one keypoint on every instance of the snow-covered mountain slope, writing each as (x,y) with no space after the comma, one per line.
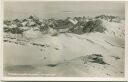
(64,52)
(116,30)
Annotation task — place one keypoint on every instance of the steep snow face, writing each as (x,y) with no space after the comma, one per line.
(116,30)
(73,21)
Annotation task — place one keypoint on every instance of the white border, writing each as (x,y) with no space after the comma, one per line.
(1,39)
(62,79)
(71,0)
(126,40)
(66,78)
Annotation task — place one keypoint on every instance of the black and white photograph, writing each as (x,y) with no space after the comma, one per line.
(64,39)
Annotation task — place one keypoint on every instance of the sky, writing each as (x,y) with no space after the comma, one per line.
(61,9)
